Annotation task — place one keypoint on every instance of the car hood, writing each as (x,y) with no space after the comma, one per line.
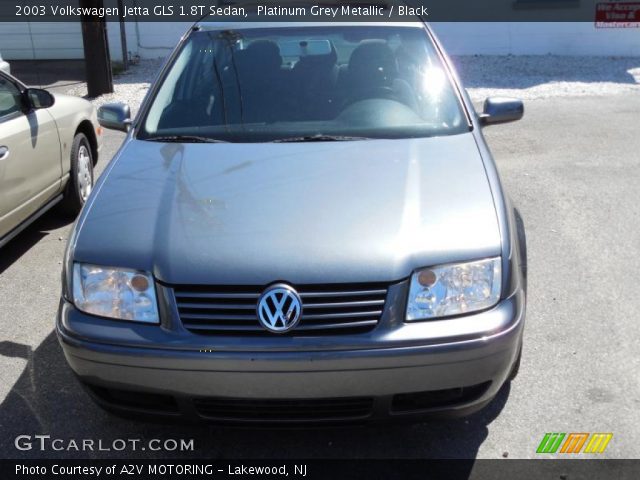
(326,212)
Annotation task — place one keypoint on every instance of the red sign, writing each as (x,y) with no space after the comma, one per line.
(618,15)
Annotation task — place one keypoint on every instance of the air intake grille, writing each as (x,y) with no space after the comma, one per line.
(327,309)
(303,410)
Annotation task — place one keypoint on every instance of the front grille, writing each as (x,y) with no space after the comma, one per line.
(326,309)
(294,410)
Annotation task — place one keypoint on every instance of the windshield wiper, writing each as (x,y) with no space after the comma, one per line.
(185,139)
(319,138)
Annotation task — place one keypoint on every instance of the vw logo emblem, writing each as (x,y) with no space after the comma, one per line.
(279,308)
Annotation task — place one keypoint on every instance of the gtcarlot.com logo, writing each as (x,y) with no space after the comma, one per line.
(574,442)
(47,443)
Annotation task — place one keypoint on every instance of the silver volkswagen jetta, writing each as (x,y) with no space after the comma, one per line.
(304,224)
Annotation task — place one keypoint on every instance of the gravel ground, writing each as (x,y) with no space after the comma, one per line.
(130,86)
(531,77)
(525,76)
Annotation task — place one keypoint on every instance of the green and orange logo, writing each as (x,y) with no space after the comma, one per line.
(573,442)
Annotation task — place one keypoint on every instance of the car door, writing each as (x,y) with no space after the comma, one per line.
(30,163)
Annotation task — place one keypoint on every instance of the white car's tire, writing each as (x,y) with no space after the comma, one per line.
(81,177)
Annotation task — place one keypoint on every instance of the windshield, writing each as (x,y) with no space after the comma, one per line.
(309,83)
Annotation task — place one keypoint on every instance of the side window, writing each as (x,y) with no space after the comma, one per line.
(10,98)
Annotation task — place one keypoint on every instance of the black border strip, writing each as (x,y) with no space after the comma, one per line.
(503,469)
(611,12)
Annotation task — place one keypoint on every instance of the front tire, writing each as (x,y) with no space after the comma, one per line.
(80,181)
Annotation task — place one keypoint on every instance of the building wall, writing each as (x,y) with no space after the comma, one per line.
(529,38)
(63,40)
(463,38)
(39,40)
(147,39)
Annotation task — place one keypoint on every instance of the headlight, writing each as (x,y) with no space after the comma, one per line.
(115,293)
(454,289)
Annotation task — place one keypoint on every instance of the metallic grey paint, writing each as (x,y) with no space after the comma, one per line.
(301,213)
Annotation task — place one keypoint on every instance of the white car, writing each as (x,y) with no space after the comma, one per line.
(49,145)
(4,66)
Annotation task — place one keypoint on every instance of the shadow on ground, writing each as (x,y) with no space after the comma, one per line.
(47,400)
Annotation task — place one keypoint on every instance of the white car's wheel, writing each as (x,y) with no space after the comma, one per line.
(81,175)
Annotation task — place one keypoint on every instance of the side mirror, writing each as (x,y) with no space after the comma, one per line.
(501,110)
(115,116)
(38,98)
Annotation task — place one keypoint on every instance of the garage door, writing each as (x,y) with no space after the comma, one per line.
(41,40)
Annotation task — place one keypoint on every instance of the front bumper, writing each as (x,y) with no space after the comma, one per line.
(403,377)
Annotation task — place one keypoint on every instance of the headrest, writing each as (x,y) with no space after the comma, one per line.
(263,54)
(375,58)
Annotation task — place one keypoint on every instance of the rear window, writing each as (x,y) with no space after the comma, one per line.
(257,84)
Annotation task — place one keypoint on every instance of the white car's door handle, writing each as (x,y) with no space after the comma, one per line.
(4,152)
